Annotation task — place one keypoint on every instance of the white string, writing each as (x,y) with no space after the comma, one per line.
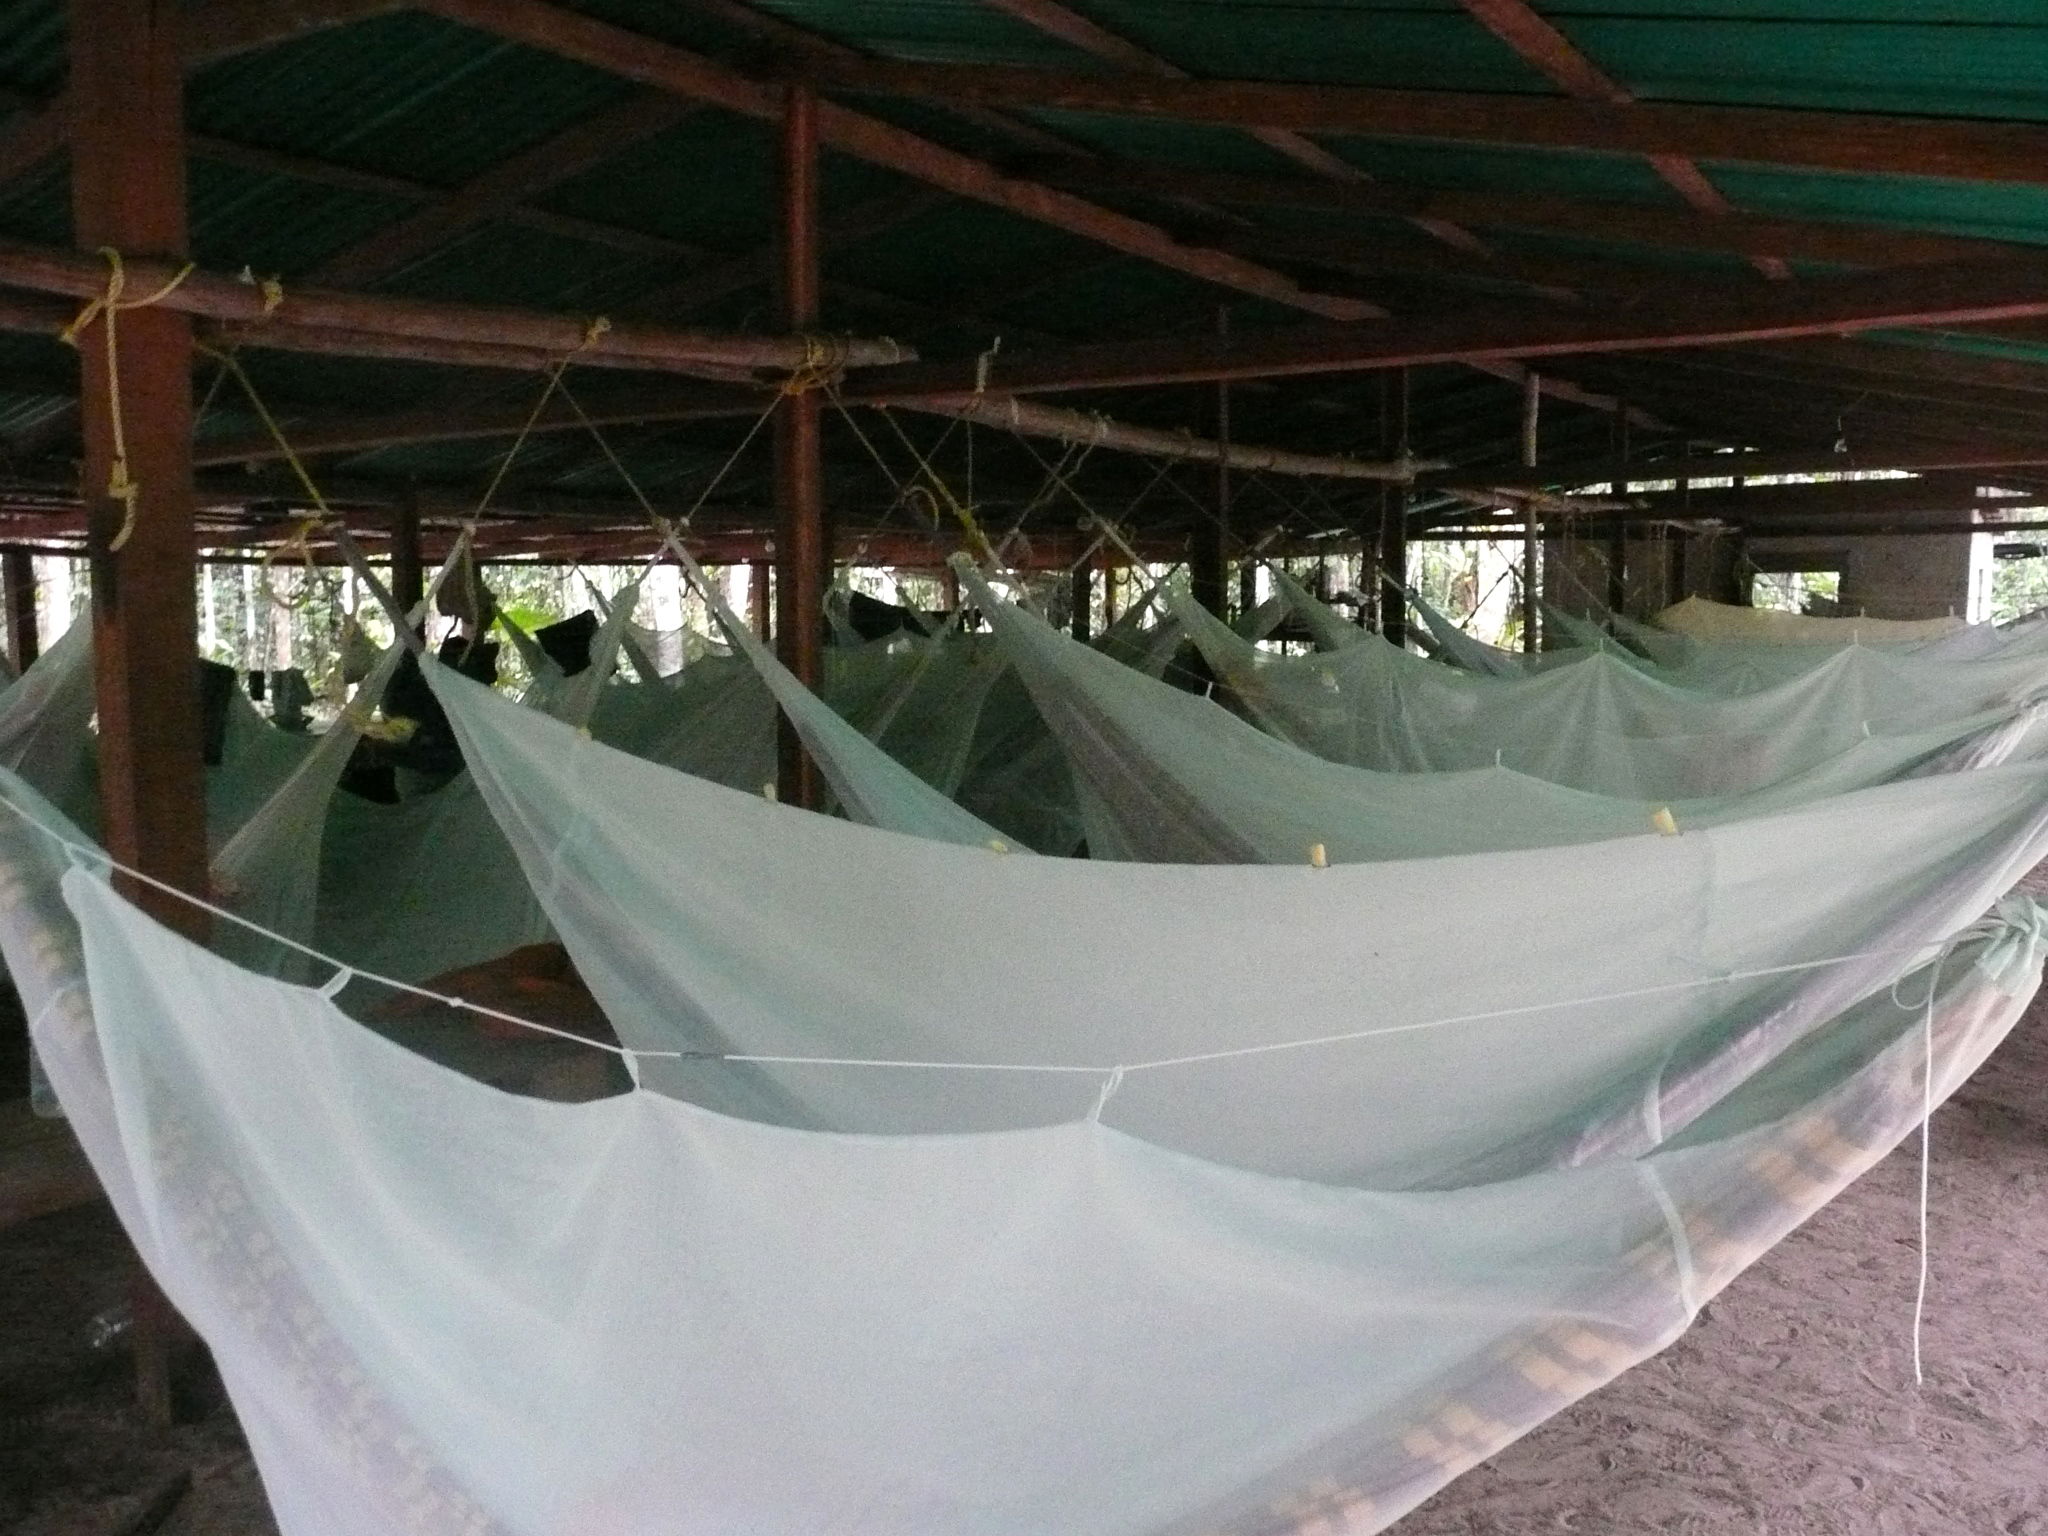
(1926,1151)
(1926,1163)
(80,853)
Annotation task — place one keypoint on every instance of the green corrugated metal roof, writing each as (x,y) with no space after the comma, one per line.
(433,104)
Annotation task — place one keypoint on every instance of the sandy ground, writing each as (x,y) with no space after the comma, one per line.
(1789,1410)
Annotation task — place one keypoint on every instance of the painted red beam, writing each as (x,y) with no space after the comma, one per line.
(624,344)
(1747,234)
(571,35)
(1666,317)
(1965,149)
(220,29)
(502,188)
(1070,27)
(1516,23)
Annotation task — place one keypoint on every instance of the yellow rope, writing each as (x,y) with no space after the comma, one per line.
(592,334)
(823,366)
(299,542)
(121,485)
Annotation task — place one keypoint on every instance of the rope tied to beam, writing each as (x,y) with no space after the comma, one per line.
(121,483)
(823,365)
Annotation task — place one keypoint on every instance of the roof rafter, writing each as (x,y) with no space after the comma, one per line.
(1677,315)
(500,190)
(550,28)
(1516,23)
(1965,149)
(1061,21)
(1829,241)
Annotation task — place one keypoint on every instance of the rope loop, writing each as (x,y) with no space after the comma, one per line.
(121,483)
(298,545)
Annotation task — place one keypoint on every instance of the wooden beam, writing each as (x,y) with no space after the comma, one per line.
(622,344)
(1392,553)
(1964,149)
(538,24)
(1824,241)
(498,191)
(128,193)
(1069,26)
(1549,51)
(803,547)
(214,31)
(220,29)
(1030,419)
(735,274)
(1672,316)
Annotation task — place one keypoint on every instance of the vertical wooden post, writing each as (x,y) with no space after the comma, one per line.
(802,554)
(1532,545)
(128,196)
(18,579)
(408,576)
(760,579)
(1080,598)
(1617,539)
(1209,555)
(1393,560)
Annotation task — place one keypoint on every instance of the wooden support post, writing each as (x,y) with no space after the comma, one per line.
(1393,550)
(1532,544)
(128,195)
(760,578)
(1617,538)
(18,581)
(408,578)
(1080,598)
(1209,554)
(802,549)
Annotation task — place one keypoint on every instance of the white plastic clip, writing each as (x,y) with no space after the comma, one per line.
(331,989)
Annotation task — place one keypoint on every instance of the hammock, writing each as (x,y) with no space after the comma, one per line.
(1705,620)
(1184,1279)
(1600,723)
(1166,776)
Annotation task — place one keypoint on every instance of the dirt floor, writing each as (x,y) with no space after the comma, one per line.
(1789,1410)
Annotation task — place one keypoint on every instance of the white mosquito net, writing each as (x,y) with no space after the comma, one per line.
(1289,1291)
(1164,775)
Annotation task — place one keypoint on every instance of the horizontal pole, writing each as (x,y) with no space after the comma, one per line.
(287,316)
(1031,419)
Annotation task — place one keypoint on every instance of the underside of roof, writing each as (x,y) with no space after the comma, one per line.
(478,151)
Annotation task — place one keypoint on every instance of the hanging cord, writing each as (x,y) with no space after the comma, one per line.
(633,485)
(592,334)
(1926,1146)
(121,485)
(299,544)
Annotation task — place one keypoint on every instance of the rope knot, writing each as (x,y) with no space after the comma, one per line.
(121,483)
(823,365)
